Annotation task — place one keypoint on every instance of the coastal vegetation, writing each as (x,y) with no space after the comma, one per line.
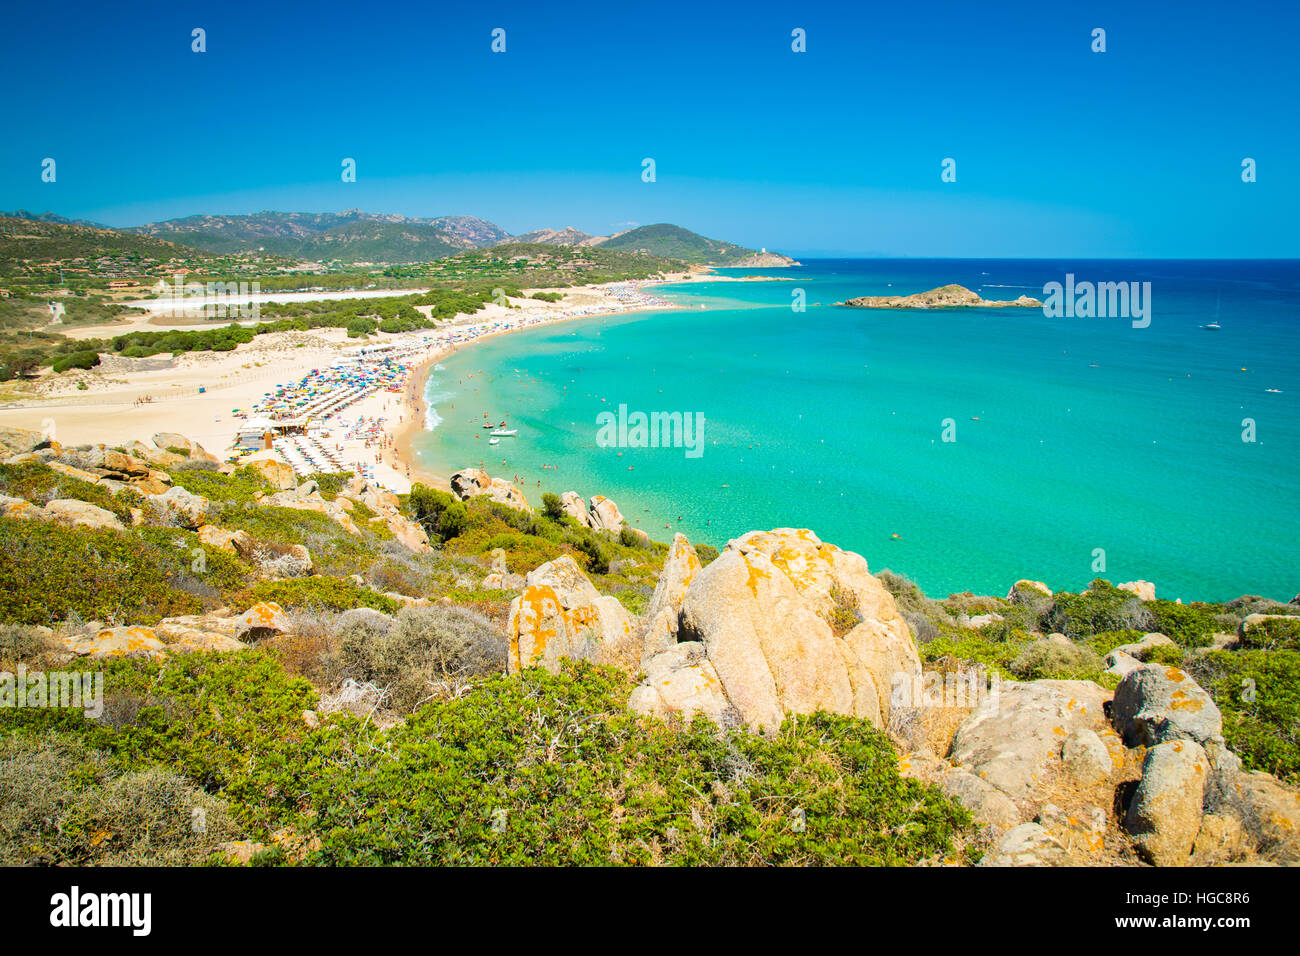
(373,669)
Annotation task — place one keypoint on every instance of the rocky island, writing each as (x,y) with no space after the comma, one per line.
(944,297)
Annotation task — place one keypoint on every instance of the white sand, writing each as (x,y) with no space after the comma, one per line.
(107,410)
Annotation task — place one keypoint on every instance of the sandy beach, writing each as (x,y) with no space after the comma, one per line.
(207,396)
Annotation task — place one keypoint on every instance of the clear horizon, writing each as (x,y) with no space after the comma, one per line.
(1060,151)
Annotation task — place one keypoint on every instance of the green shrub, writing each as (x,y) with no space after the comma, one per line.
(80,360)
(552,507)
(548,769)
(1258,693)
(50,572)
(62,804)
(1053,660)
(1106,641)
(1272,634)
(424,650)
(316,593)
(576,777)
(1190,625)
(706,553)
(995,650)
(441,515)
(1104,608)
(239,487)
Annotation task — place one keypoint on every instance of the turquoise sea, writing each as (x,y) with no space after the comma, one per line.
(1071,434)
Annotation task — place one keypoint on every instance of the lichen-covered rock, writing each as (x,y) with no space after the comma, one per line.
(1165,814)
(1015,737)
(661,616)
(1121,664)
(473,482)
(762,609)
(1026,845)
(236,542)
(19,508)
(192,449)
(278,473)
(113,463)
(560,614)
(80,474)
(1086,758)
(987,804)
(1014,595)
(116,642)
(182,509)
(262,619)
(72,513)
(180,638)
(1141,649)
(605,515)
(19,441)
(681,681)
(1156,703)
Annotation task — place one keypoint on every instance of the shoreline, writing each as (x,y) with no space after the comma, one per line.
(208,395)
(402,434)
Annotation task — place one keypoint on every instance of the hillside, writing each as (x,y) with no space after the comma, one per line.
(48,216)
(568,236)
(26,245)
(674,242)
(350,236)
(354,237)
(270,640)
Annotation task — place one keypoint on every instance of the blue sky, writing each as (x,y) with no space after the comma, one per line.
(1060,151)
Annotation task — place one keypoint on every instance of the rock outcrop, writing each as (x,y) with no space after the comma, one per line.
(761,612)
(560,614)
(1145,590)
(72,513)
(180,508)
(664,611)
(475,482)
(1014,739)
(1157,703)
(277,472)
(605,515)
(1165,815)
(681,681)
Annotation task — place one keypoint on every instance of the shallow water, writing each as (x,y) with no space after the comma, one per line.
(1091,434)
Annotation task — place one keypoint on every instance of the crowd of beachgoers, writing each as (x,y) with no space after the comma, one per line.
(344,417)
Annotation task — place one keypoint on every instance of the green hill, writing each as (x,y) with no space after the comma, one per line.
(27,244)
(674,242)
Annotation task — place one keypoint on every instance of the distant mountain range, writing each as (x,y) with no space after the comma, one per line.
(354,236)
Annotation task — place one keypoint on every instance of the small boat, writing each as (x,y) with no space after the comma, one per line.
(1215,326)
(494,441)
(505,432)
